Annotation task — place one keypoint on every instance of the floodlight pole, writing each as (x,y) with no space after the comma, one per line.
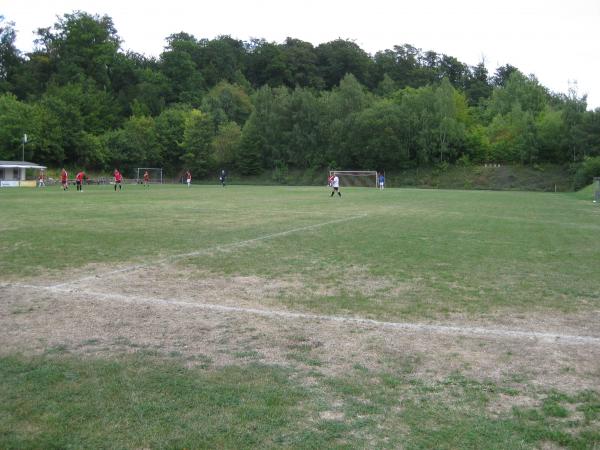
(23,141)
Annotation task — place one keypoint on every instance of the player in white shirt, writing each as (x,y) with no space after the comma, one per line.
(335,186)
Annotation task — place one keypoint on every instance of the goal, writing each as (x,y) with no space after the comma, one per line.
(360,178)
(156,174)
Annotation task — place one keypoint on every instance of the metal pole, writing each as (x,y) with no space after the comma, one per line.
(23,140)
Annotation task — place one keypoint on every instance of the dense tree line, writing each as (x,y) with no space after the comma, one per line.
(252,106)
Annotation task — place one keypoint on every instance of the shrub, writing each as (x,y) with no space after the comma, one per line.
(586,172)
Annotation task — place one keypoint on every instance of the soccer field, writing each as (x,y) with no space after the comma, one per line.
(268,317)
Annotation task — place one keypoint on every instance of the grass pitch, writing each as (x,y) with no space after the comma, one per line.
(217,317)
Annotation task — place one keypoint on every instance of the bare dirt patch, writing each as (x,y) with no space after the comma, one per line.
(182,282)
(172,313)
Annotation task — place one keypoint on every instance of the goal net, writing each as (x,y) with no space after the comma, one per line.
(359,178)
(155,174)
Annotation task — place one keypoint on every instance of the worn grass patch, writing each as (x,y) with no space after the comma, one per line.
(140,402)
(396,253)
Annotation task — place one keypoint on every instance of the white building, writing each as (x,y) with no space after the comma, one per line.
(13,173)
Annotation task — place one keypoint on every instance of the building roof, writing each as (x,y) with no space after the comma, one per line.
(20,165)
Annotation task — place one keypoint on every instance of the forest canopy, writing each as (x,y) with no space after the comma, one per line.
(256,105)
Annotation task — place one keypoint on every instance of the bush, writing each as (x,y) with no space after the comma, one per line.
(586,172)
(280,173)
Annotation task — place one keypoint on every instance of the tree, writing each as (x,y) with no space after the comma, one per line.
(225,144)
(15,117)
(376,137)
(81,46)
(503,74)
(170,126)
(573,108)
(518,89)
(301,59)
(227,102)
(402,65)
(10,57)
(477,86)
(386,86)
(134,145)
(177,64)
(220,59)
(252,145)
(512,137)
(453,70)
(551,136)
(267,64)
(340,57)
(590,127)
(197,137)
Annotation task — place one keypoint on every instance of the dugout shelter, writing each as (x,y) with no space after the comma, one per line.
(14,173)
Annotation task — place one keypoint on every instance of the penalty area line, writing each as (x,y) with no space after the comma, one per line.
(216,248)
(554,338)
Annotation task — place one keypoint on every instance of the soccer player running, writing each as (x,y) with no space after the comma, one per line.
(118,179)
(64,179)
(79,180)
(146,179)
(223,177)
(188,177)
(335,185)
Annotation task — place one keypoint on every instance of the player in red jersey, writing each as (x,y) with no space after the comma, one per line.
(64,179)
(79,180)
(146,179)
(118,179)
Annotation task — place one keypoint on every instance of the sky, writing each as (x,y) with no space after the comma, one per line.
(556,40)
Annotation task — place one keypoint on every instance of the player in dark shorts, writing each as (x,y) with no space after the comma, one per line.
(335,186)
(118,179)
(64,179)
(79,181)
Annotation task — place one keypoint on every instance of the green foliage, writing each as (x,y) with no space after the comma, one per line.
(400,107)
(10,57)
(197,136)
(227,102)
(586,172)
(135,145)
(518,89)
(551,131)
(511,137)
(280,173)
(340,57)
(225,144)
(15,117)
(81,46)
(252,147)
(170,126)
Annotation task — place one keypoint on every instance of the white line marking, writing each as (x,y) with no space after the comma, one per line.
(556,338)
(206,250)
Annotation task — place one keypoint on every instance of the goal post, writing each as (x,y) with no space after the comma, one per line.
(156,174)
(358,178)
